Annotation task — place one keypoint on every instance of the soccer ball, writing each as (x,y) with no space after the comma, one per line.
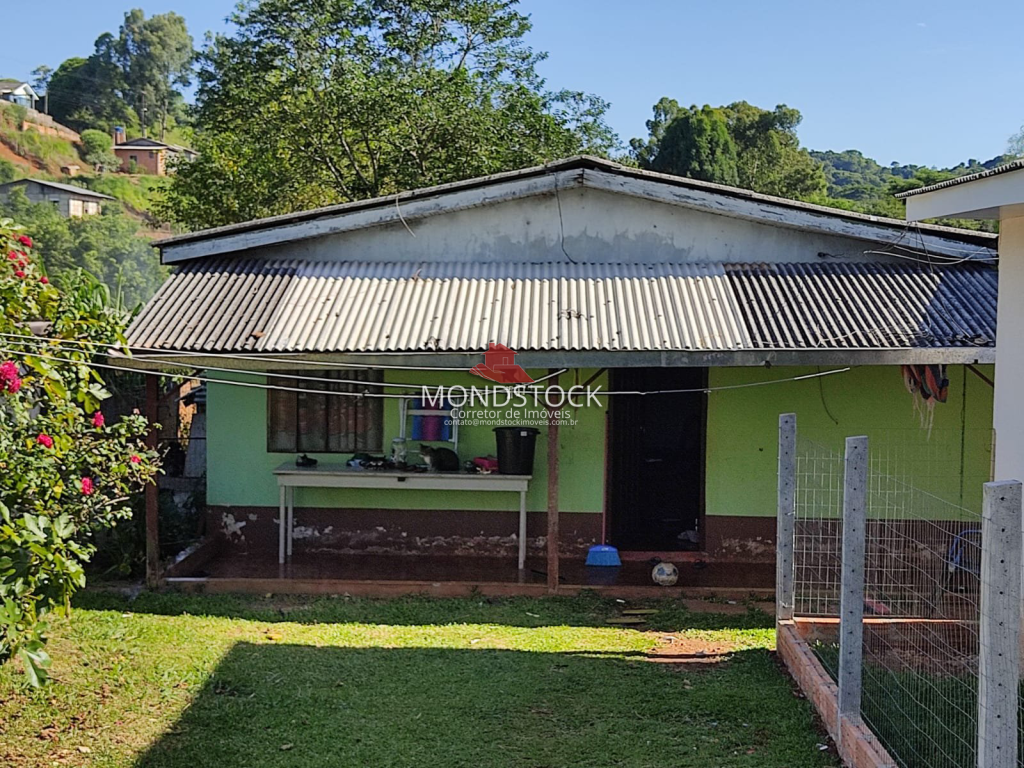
(665,574)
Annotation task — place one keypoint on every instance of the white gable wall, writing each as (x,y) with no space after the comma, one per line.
(592,225)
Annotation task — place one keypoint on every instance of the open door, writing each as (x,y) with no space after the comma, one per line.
(656,466)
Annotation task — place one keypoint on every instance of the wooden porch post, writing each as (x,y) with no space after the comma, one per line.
(152,493)
(552,539)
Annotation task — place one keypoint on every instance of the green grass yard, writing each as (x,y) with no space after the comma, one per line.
(174,680)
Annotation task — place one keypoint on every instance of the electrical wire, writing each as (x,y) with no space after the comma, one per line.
(275,374)
(526,388)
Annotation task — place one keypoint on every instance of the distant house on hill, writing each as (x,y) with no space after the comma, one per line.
(18,92)
(148,155)
(71,201)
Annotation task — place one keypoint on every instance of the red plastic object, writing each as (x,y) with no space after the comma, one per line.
(487,463)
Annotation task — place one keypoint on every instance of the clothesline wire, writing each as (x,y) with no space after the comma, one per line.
(524,389)
(254,357)
(275,374)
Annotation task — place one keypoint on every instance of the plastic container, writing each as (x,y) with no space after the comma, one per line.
(516,446)
(603,555)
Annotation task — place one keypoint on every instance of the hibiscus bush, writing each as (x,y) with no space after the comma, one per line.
(64,471)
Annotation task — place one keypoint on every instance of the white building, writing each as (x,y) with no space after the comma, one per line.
(995,194)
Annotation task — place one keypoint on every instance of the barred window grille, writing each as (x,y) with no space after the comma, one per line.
(312,421)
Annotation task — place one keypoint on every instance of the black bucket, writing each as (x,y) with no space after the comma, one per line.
(515,449)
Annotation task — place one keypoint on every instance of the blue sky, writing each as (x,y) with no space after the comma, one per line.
(931,82)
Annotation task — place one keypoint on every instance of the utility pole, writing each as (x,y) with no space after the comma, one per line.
(142,113)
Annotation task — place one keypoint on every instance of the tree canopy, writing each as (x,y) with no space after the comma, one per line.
(108,246)
(311,102)
(131,79)
(739,144)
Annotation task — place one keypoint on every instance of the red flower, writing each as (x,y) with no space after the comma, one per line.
(45,440)
(87,487)
(25,240)
(134,458)
(21,265)
(44,280)
(9,380)
(13,256)
(19,273)
(97,420)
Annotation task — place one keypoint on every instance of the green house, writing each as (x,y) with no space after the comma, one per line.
(666,322)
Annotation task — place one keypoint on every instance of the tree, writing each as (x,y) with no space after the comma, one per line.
(770,159)
(312,102)
(8,171)
(41,79)
(1015,145)
(98,150)
(697,144)
(107,246)
(67,474)
(136,71)
(86,93)
(645,151)
(738,144)
(155,55)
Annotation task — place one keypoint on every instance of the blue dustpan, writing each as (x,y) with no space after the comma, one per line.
(602,554)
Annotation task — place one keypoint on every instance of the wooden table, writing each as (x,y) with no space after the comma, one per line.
(290,477)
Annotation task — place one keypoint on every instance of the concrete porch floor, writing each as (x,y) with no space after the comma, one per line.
(319,571)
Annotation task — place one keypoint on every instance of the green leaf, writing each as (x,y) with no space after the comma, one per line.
(36,662)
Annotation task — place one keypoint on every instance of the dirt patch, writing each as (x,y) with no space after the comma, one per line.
(689,653)
(6,153)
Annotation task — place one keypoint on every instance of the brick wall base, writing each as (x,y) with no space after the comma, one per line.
(858,746)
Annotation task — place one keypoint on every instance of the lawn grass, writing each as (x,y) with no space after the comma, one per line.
(173,680)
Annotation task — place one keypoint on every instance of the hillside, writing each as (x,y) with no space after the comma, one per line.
(25,152)
(31,151)
(856,182)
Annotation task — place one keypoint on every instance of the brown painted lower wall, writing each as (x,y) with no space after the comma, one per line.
(464,532)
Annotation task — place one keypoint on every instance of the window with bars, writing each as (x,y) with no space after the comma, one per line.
(313,421)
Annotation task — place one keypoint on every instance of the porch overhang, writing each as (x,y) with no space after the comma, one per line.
(155,360)
(263,315)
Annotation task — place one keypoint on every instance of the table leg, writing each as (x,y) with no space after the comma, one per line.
(291,518)
(522,530)
(280,526)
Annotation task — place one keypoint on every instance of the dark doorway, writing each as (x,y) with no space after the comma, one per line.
(656,463)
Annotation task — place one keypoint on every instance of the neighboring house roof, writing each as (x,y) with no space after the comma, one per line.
(70,188)
(585,171)
(142,143)
(12,86)
(1016,165)
(147,143)
(941,314)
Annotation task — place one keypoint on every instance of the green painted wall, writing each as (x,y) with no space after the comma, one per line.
(741,441)
(742,444)
(239,469)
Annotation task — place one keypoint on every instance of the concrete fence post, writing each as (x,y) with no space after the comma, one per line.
(999,630)
(785,531)
(851,601)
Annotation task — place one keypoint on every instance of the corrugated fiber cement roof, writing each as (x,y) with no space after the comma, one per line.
(250,305)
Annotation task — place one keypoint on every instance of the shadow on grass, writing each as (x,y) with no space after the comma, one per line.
(584,610)
(298,706)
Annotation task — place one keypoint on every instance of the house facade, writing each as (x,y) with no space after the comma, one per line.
(71,201)
(18,92)
(149,156)
(685,316)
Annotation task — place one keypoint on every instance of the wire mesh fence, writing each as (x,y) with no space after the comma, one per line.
(922,571)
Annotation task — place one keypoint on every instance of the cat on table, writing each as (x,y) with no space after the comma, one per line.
(439,459)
